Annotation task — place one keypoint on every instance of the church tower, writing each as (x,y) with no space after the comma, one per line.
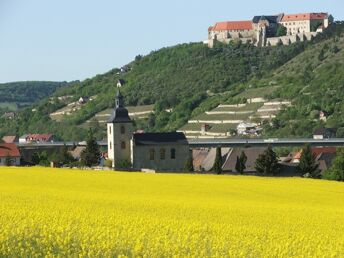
(119,133)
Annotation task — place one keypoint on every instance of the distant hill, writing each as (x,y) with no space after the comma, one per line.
(15,95)
(190,79)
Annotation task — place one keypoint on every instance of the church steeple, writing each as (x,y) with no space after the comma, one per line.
(119,100)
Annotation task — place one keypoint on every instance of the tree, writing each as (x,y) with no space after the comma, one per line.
(189,164)
(217,167)
(336,171)
(91,155)
(308,165)
(240,165)
(340,132)
(267,162)
(281,31)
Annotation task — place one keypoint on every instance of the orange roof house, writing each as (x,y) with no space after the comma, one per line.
(9,150)
(232,25)
(304,16)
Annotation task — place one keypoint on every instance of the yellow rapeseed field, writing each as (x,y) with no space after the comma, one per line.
(56,212)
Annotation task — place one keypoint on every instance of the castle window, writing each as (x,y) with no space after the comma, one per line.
(123,145)
(151,154)
(122,129)
(162,154)
(173,153)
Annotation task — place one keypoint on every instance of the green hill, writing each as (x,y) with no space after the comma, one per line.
(15,95)
(191,78)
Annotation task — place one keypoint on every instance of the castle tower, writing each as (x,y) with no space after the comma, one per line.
(119,133)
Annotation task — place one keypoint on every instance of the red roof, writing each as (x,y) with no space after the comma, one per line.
(9,150)
(317,151)
(232,25)
(40,137)
(304,16)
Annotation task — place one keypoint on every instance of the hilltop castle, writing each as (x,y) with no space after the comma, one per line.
(270,30)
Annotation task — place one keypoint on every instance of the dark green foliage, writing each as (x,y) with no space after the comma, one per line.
(189,164)
(91,155)
(340,132)
(123,164)
(28,92)
(267,163)
(62,157)
(281,31)
(308,166)
(217,167)
(336,172)
(240,165)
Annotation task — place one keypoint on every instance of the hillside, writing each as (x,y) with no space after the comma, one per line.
(16,95)
(191,79)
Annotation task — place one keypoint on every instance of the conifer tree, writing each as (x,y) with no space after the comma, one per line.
(91,155)
(308,165)
(240,165)
(217,167)
(267,163)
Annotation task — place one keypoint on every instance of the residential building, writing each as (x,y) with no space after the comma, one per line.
(40,138)
(9,154)
(324,133)
(10,139)
(247,129)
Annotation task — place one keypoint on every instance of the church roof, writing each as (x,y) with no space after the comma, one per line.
(159,138)
(120,115)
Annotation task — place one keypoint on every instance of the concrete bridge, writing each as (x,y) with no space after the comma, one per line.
(224,142)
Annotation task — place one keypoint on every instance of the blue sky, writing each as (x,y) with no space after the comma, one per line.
(77,39)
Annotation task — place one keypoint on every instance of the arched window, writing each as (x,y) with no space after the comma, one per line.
(173,153)
(122,129)
(162,154)
(151,154)
(122,145)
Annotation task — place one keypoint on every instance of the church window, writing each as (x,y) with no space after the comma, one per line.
(162,154)
(173,153)
(110,145)
(122,129)
(151,154)
(122,145)
(110,129)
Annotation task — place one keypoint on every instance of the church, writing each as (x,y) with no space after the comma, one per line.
(143,151)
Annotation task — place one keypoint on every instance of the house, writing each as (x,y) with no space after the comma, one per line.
(83,100)
(120,83)
(248,129)
(9,155)
(30,138)
(305,22)
(251,153)
(10,139)
(323,156)
(324,133)
(203,159)
(153,151)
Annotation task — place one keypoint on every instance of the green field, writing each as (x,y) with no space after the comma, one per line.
(73,213)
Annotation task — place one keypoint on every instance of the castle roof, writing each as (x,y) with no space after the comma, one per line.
(269,18)
(232,25)
(159,138)
(304,16)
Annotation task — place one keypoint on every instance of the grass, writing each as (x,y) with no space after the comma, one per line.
(257,92)
(69,213)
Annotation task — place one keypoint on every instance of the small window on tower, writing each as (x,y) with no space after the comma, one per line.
(122,145)
(151,154)
(122,129)
(110,145)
